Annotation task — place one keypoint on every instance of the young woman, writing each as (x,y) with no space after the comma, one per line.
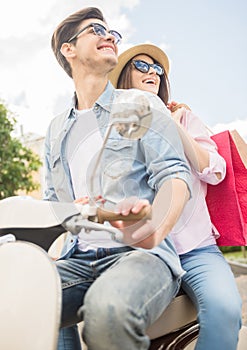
(208,280)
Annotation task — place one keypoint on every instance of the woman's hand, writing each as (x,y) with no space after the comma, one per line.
(173,106)
(177,110)
(85,200)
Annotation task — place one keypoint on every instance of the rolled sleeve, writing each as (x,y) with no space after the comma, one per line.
(163,150)
(200,133)
(217,165)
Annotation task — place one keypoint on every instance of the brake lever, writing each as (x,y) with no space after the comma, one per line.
(76,223)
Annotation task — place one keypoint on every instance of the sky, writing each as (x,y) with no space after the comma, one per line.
(205,40)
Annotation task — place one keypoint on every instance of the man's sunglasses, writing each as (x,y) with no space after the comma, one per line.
(144,67)
(99,30)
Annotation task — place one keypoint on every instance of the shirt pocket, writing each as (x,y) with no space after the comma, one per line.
(118,159)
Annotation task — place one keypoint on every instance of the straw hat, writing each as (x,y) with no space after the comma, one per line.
(148,49)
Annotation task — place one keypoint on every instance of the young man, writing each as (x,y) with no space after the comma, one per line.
(123,287)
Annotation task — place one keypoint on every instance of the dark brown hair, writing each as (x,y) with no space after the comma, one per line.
(125,81)
(67,28)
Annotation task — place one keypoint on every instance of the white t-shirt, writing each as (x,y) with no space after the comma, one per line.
(83,146)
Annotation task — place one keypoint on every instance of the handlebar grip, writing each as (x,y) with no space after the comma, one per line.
(106,215)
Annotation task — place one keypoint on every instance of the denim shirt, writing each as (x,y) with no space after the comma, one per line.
(142,164)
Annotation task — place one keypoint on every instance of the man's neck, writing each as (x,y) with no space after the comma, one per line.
(88,90)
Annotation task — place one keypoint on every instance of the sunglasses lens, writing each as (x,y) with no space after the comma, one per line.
(141,66)
(117,36)
(144,67)
(158,69)
(99,30)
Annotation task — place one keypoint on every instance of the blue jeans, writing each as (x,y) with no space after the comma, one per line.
(210,284)
(122,290)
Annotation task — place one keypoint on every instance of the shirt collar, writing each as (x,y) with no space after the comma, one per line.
(104,100)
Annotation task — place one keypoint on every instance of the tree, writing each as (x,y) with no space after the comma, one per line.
(17,162)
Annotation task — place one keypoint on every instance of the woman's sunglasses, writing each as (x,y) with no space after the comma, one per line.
(100,30)
(144,67)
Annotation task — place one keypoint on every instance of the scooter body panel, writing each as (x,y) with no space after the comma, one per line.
(30,298)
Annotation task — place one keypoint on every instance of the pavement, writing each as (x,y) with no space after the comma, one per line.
(241,281)
(240,272)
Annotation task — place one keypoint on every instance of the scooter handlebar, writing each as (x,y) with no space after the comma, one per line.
(105,215)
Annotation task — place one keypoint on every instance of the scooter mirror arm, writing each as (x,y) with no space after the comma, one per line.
(131,116)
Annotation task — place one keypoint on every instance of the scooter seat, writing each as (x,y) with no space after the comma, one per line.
(178,314)
(30,298)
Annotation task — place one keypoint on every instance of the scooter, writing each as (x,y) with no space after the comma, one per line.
(30,297)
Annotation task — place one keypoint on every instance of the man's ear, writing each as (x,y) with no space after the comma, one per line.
(67,50)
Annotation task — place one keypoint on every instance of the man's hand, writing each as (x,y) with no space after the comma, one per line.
(145,237)
(166,209)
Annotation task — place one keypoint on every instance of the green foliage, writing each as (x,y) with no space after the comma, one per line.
(17,162)
(230,249)
(237,256)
